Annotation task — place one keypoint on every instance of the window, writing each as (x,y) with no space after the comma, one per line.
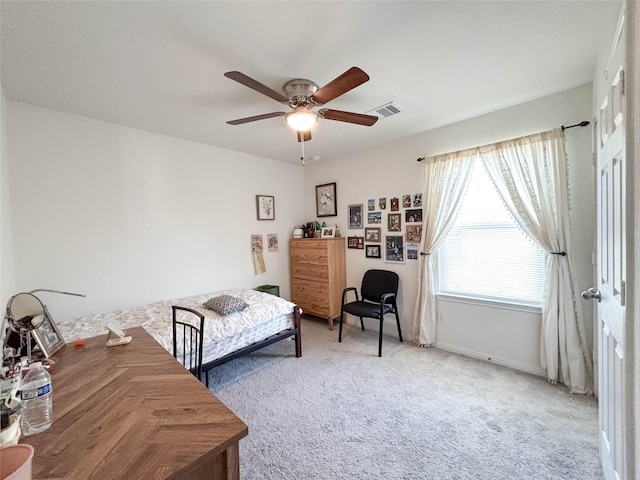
(486,255)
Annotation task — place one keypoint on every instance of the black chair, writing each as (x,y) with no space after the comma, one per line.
(190,337)
(379,290)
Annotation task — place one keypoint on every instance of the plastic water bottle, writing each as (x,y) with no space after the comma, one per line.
(37,404)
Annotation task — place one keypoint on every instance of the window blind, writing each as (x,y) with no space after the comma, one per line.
(486,255)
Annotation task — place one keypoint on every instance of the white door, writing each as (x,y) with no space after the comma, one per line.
(611,274)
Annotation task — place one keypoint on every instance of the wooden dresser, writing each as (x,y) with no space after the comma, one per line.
(318,275)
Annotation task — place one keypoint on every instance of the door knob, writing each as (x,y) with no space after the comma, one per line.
(591,294)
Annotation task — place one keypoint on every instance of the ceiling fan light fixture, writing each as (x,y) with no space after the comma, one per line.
(301,118)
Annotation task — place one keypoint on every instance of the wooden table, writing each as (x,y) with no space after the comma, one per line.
(133,412)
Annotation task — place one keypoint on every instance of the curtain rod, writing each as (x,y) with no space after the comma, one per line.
(584,123)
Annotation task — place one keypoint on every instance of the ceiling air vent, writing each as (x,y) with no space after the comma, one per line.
(385,110)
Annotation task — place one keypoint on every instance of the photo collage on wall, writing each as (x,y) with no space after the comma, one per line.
(392,235)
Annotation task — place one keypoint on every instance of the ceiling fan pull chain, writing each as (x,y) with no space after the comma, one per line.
(302,157)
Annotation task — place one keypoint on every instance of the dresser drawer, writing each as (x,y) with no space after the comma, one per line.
(309,255)
(311,297)
(308,271)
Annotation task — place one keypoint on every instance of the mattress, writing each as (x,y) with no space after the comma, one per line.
(265,316)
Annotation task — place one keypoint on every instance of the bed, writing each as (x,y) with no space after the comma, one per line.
(266,319)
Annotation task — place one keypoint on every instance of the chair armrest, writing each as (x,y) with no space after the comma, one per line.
(386,297)
(347,290)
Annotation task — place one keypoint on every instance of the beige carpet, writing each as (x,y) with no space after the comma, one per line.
(340,412)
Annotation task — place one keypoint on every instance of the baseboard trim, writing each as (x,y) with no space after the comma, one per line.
(505,362)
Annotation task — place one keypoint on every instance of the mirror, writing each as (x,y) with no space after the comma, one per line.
(25,312)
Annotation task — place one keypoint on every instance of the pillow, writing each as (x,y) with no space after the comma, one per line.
(225,304)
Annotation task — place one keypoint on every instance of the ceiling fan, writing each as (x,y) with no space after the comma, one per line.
(303,96)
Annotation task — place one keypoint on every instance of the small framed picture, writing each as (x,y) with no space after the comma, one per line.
(406,201)
(326,202)
(395,204)
(266,207)
(371,204)
(394,222)
(355,216)
(394,249)
(355,242)
(412,251)
(414,233)
(374,217)
(413,215)
(382,203)
(47,336)
(272,242)
(328,232)
(372,251)
(417,199)
(373,234)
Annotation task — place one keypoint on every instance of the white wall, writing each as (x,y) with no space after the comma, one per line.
(7,273)
(129,217)
(506,336)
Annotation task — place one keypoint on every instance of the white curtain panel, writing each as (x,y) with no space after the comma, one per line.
(531,176)
(446,179)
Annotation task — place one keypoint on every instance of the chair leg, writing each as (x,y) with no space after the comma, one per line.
(380,340)
(362,323)
(398,323)
(340,329)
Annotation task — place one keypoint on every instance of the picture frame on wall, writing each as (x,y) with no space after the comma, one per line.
(374,217)
(355,242)
(394,222)
(413,215)
(373,234)
(47,336)
(395,204)
(372,251)
(355,216)
(326,202)
(266,207)
(394,251)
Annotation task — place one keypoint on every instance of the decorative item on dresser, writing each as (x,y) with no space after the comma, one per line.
(318,275)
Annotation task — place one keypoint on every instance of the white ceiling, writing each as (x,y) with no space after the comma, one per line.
(159,66)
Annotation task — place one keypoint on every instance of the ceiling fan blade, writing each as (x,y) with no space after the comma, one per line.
(349,117)
(255,118)
(304,136)
(257,86)
(345,82)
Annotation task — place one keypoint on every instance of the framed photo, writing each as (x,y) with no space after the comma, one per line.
(413,215)
(414,233)
(328,232)
(394,222)
(374,217)
(355,242)
(412,251)
(371,204)
(394,251)
(266,207)
(373,234)
(395,204)
(406,201)
(382,203)
(372,251)
(326,203)
(272,242)
(47,336)
(355,216)
(417,199)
